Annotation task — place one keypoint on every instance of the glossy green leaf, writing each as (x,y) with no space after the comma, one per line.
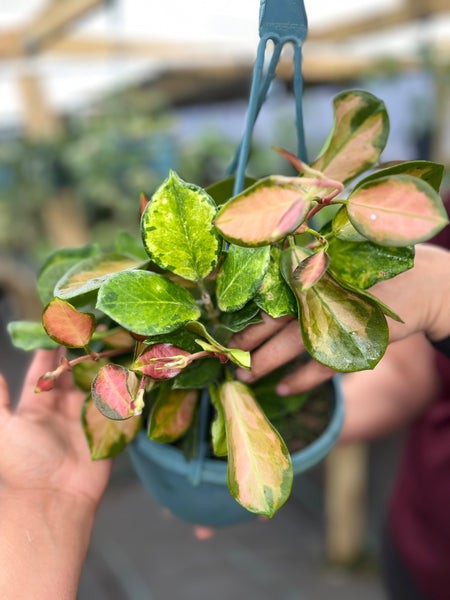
(311,270)
(397,211)
(236,355)
(199,374)
(91,273)
(106,437)
(181,337)
(359,134)
(218,429)
(385,309)
(340,329)
(222,191)
(343,228)
(275,297)
(114,392)
(66,325)
(57,264)
(253,217)
(146,303)
(240,276)
(238,320)
(28,335)
(125,243)
(177,229)
(172,414)
(428,171)
(84,373)
(363,264)
(259,466)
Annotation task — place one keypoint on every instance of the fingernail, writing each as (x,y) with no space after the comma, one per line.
(244,375)
(283,389)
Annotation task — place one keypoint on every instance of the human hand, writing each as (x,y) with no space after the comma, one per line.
(43,445)
(419,296)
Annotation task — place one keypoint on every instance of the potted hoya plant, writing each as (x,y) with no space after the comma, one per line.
(148,323)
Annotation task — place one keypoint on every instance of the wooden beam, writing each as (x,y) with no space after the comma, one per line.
(54,19)
(412,10)
(39,119)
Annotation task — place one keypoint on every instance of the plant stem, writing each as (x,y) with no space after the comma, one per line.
(207,302)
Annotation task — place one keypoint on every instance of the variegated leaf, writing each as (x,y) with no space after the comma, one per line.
(114,392)
(172,415)
(236,355)
(397,211)
(66,325)
(359,134)
(343,228)
(28,335)
(91,273)
(274,296)
(430,172)
(340,329)
(106,437)
(161,361)
(240,276)
(259,466)
(218,429)
(311,270)
(253,218)
(163,305)
(177,229)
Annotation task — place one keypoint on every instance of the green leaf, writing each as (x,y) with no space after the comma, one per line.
(343,228)
(430,172)
(259,466)
(66,325)
(114,392)
(180,337)
(340,329)
(172,415)
(363,264)
(388,312)
(274,296)
(396,211)
(359,134)
(127,244)
(253,217)
(240,276)
(83,373)
(218,429)
(222,191)
(236,355)
(146,303)
(199,374)
(105,437)
(91,273)
(238,320)
(28,335)
(56,265)
(177,229)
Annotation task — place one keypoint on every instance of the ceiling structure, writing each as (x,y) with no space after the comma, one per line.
(59,55)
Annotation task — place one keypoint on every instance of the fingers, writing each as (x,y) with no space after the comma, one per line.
(304,378)
(4,394)
(278,350)
(254,335)
(43,361)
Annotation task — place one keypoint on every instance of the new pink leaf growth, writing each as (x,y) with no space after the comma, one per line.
(289,222)
(164,361)
(310,270)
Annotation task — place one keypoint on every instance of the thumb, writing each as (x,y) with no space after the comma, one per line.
(4,394)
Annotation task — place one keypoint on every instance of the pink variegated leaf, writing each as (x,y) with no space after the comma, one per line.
(161,361)
(259,465)
(106,437)
(66,325)
(290,221)
(172,415)
(399,210)
(253,217)
(310,270)
(115,391)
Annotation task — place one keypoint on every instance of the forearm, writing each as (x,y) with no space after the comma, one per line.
(44,540)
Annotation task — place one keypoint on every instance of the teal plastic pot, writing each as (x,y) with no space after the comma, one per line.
(197,491)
